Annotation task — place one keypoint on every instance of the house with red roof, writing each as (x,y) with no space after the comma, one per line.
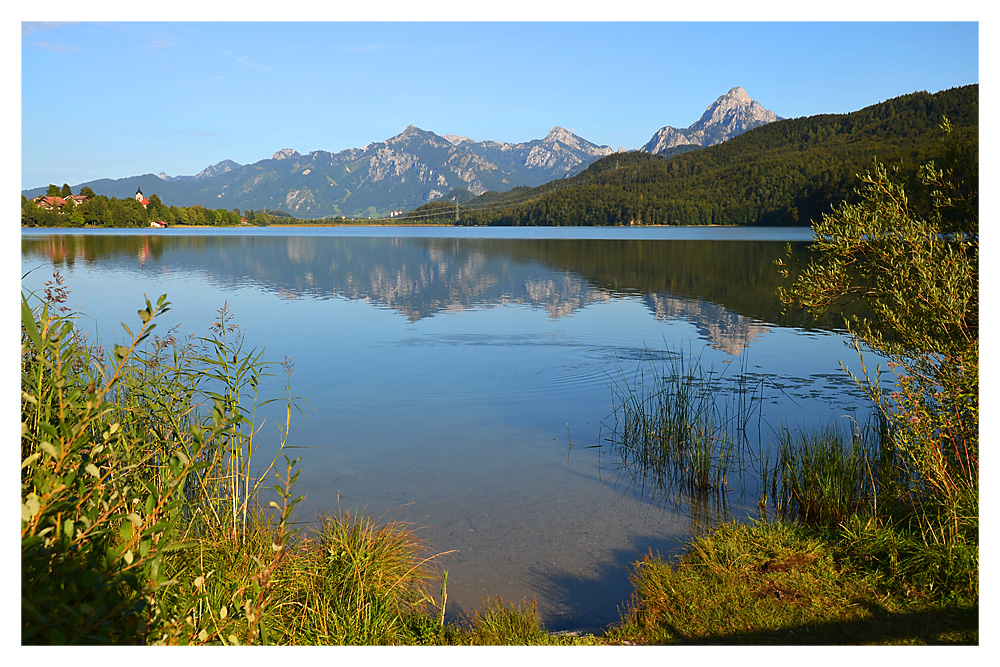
(58,203)
(49,203)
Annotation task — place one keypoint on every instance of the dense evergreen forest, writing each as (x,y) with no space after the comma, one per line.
(784,173)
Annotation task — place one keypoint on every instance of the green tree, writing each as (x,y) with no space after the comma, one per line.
(914,264)
(53,191)
(76,217)
(156,209)
(66,191)
(86,191)
(95,211)
(179,215)
(30,216)
(47,218)
(134,215)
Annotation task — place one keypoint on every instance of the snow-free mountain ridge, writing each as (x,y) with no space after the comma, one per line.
(412,168)
(730,115)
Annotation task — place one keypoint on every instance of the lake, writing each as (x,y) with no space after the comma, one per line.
(461,379)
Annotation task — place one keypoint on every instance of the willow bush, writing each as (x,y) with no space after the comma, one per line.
(916,268)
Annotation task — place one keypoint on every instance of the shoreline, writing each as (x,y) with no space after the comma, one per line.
(376,224)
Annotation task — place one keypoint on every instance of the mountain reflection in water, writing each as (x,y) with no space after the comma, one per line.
(458,379)
(725,288)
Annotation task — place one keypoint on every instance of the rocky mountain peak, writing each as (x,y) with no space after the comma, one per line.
(285,153)
(410,132)
(219,168)
(559,139)
(737,94)
(730,115)
(560,134)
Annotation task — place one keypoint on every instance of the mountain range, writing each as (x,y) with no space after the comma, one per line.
(413,168)
(782,173)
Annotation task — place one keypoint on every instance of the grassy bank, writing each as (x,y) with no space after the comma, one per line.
(781,583)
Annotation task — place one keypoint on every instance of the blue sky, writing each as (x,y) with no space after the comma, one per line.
(117,99)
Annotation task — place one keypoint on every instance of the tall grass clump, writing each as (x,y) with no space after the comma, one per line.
(360,582)
(827,476)
(130,457)
(779,583)
(681,428)
(501,623)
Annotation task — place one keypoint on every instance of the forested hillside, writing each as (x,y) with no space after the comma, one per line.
(784,173)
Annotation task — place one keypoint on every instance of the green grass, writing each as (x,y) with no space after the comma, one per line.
(860,537)
(781,583)
(826,476)
(356,582)
(503,623)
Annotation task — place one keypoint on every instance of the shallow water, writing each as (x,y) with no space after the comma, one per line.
(458,378)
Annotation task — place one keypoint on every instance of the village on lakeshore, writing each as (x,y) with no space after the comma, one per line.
(88,209)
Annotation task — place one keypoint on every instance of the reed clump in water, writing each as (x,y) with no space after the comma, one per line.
(681,428)
(826,476)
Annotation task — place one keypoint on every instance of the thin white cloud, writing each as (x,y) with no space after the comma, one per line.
(246,62)
(366,47)
(57,47)
(29,28)
(160,42)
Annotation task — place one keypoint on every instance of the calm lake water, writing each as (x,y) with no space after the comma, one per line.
(448,370)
